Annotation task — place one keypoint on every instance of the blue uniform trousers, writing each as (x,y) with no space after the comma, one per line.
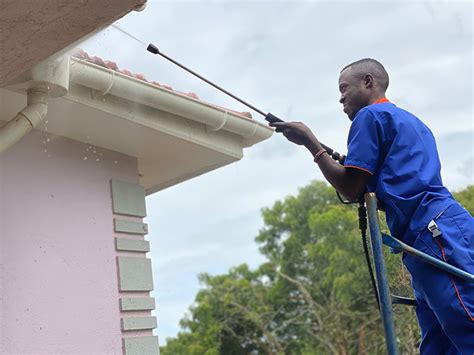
(445,308)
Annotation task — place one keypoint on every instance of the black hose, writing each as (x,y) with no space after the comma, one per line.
(363,233)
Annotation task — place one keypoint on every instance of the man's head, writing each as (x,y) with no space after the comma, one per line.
(362,83)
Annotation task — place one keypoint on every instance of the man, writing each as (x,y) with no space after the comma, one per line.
(392,153)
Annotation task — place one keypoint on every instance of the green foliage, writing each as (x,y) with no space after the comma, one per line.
(312,296)
(466,198)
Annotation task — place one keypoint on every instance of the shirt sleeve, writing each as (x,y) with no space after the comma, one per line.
(364,142)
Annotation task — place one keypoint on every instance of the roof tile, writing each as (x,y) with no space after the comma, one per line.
(111,65)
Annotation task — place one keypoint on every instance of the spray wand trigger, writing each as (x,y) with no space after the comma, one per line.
(272,118)
(152,49)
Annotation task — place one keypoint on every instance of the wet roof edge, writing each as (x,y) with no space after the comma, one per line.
(106,81)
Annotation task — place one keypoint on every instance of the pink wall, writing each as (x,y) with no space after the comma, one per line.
(58,283)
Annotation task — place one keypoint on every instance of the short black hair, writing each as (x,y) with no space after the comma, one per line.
(374,67)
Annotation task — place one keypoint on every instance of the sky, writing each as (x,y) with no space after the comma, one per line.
(285,58)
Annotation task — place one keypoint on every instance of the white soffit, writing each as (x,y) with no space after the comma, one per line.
(170,146)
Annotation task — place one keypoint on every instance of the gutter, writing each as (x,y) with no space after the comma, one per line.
(107,81)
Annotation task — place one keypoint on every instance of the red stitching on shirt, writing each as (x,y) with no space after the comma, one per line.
(454,284)
(440,246)
(358,167)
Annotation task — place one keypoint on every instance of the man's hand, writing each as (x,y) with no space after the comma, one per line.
(350,182)
(296,132)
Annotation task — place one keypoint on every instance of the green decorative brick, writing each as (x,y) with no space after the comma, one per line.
(137,304)
(132,245)
(141,346)
(128,199)
(138,323)
(131,227)
(135,274)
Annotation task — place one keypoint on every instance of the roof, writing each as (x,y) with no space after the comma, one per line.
(173,136)
(83,55)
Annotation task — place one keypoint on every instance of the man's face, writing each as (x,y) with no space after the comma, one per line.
(354,94)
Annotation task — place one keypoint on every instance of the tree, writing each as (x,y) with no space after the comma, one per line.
(466,198)
(312,296)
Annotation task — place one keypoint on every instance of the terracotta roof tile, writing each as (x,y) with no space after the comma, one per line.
(98,61)
(111,65)
(125,71)
(81,54)
(140,77)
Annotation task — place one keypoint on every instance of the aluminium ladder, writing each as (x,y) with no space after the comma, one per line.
(377,238)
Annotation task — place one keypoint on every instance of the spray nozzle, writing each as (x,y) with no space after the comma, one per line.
(152,49)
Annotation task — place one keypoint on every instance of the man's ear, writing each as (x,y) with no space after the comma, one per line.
(368,81)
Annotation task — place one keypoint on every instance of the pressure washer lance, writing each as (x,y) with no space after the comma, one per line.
(268,117)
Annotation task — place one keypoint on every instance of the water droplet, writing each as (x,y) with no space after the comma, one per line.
(48,140)
(85,158)
(45,150)
(49,155)
(97,159)
(115,162)
(46,122)
(95,152)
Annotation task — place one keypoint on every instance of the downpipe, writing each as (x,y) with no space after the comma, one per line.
(25,120)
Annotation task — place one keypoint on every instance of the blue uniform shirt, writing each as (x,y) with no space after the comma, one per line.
(399,151)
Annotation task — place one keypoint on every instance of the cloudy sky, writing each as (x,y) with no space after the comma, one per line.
(285,57)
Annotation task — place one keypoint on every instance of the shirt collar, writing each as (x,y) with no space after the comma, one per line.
(384,99)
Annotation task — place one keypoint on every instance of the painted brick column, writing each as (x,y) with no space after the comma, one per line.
(135,279)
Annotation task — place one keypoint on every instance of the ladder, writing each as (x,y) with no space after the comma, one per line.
(377,239)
